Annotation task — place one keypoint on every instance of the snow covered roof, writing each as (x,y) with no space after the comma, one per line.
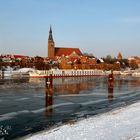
(101,60)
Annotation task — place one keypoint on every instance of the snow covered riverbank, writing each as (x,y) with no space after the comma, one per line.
(119,124)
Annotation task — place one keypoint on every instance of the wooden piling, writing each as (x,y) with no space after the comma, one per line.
(49,85)
(110,86)
(110,80)
(49,94)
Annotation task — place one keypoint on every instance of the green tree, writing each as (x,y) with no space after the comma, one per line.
(109,59)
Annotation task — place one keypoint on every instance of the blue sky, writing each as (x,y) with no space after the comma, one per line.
(100,27)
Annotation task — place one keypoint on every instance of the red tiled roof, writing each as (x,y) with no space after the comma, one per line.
(136,57)
(19,56)
(67,51)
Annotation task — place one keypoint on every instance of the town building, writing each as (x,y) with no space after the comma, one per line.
(134,61)
(119,57)
(59,51)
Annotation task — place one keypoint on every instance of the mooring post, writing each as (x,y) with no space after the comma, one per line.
(49,85)
(46,87)
(46,82)
(110,86)
(110,80)
(49,94)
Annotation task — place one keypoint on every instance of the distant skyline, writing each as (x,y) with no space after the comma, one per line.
(100,27)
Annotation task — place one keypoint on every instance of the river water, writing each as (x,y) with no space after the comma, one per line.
(26,108)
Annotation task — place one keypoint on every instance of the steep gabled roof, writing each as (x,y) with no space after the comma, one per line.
(50,35)
(67,51)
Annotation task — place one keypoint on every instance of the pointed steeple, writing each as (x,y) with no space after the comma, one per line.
(50,34)
(50,29)
(51,44)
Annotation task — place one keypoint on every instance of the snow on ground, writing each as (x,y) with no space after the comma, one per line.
(119,124)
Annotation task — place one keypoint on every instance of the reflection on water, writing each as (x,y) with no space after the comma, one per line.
(31,105)
(110,94)
(70,88)
(48,104)
(9,81)
(110,87)
(74,85)
(48,95)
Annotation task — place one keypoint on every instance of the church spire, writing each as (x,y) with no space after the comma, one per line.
(51,44)
(50,34)
(50,29)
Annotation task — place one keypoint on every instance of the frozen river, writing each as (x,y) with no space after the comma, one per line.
(25,108)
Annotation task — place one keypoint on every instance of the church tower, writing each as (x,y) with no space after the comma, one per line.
(51,45)
(119,57)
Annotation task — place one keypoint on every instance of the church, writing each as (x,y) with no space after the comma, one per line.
(58,51)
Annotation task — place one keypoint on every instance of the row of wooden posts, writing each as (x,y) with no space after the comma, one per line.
(49,84)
